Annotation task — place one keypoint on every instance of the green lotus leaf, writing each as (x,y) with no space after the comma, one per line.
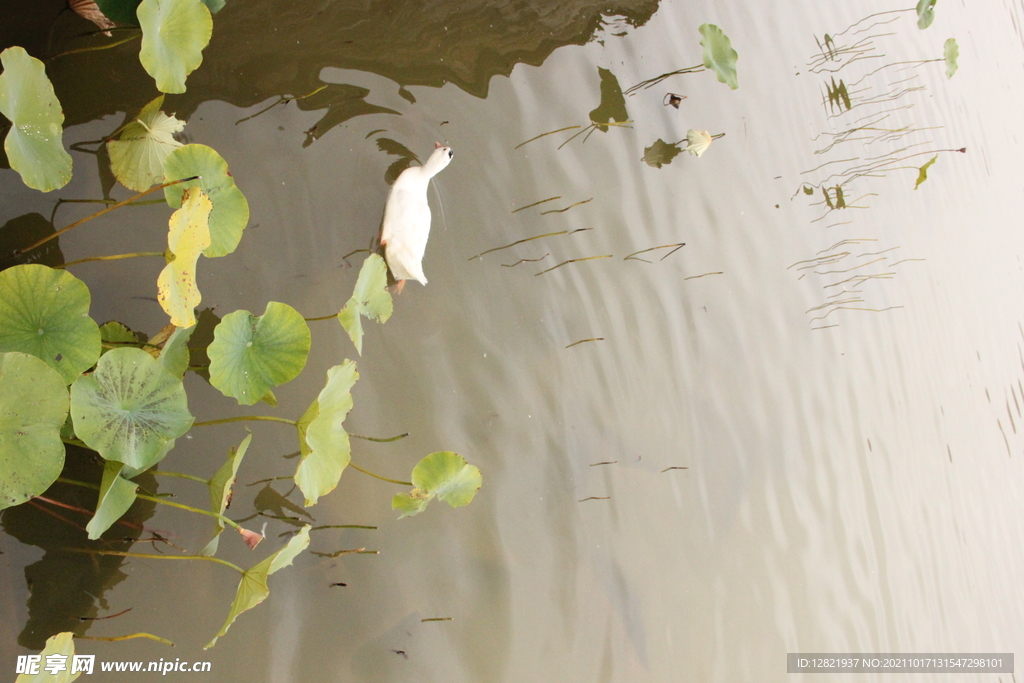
(253,589)
(121,11)
(174,33)
(116,495)
(952,54)
(370,298)
(230,212)
(214,5)
(660,153)
(34,145)
(325,447)
(174,356)
(33,409)
(45,312)
(443,474)
(922,173)
(177,290)
(221,485)
(719,55)
(137,156)
(113,332)
(250,354)
(925,13)
(130,408)
(62,646)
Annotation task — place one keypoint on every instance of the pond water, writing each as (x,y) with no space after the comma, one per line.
(796,433)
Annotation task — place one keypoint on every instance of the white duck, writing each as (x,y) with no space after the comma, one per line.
(407,218)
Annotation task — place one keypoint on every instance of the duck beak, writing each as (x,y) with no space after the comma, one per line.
(438,145)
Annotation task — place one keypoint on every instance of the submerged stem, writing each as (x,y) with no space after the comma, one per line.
(245,418)
(181,475)
(377,476)
(154,556)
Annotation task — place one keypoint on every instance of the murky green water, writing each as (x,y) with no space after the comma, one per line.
(844,386)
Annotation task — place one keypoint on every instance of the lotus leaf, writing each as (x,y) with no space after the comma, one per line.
(221,485)
(137,156)
(922,173)
(952,54)
(121,11)
(250,354)
(370,298)
(719,55)
(189,235)
(62,646)
(660,153)
(175,354)
(45,312)
(33,408)
(34,145)
(230,209)
(253,589)
(325,447)
(443,474)
(130,408)
(925,13)
(174,33)
(113,332)
(116,495)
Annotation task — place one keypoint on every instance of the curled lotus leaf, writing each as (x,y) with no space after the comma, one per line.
(325,447)
(925,13)
(719,55)
(370,298)
(189,234)
(444,475)
(116,495)
(62,648)
(34,145)
(137,156)
(951,52)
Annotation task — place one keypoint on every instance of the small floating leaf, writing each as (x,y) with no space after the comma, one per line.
(660,153)
(925,13)
(922,173)
(370,298)
(130,409)
(230,209)
(325,446)
(116,495)
(697,142)
(45,312)
(62,648)
(189,235)
(443,474)
(251,354)
(719,55)
(34,145)
(33,408)
(221,485)
(952,53)
(174,33)
(137,156)
(253,589)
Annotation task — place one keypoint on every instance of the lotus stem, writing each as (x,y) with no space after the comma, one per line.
(209,513)
(181,475)
(115,639)
(379,440)
(246,418)
(377,476)
(97,47)
(113,257)
(155,556)
(322,317)
(19,252)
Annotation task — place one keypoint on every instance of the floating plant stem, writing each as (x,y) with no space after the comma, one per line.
(528,239)
(525,260)
(379,439)
(155,556)
(574,260)
(180,475)
(95,48)
(583,341)
(544,134)
(694,277)
(284,99)
(115,639)
(113,257)
(544,213)
(377,476)
(530,206)
(19,252)
(674,247)
(651,82)
(109,616)
(245,418)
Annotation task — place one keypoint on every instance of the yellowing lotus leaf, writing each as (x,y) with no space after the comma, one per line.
(137,156)
(189,235)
